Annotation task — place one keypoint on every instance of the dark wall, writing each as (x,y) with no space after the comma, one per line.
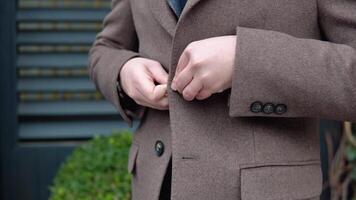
(48,104)
(8,116)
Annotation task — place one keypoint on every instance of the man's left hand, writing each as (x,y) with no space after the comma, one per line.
(205,67)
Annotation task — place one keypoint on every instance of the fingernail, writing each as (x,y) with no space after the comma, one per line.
(173,86)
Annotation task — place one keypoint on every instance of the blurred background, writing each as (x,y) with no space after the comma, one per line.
(48,104)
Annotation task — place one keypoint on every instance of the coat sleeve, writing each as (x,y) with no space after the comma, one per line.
(113,46)
(312,78)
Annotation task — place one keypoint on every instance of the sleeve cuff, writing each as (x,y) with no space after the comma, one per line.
(130,107)
(105,73)
(252,91)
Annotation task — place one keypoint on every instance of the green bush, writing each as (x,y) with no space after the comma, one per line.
(342,165)
(96,171)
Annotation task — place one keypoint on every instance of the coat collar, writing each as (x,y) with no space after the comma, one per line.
(165,16)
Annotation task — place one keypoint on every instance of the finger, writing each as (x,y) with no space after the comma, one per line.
(145,90)
(183,79)
(162,104)
(203,94)
(182,62)
(145,86)
(160,91)
(157,72)
(154,98)
(160,98)
(192,89)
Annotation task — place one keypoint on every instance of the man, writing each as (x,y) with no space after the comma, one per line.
(246,83)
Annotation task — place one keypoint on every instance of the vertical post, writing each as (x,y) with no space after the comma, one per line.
(8,100)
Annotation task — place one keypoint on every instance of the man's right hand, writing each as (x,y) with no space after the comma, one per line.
(138,78)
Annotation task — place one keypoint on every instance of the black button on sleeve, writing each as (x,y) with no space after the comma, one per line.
(159,148)
(256,107)
(268,108)
(280,109)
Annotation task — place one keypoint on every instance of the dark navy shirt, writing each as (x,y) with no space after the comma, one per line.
(177,6)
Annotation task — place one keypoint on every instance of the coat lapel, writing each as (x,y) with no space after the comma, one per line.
(188,7)
(165,16)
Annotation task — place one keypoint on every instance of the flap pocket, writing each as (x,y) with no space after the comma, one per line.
(281,181)
(132,157)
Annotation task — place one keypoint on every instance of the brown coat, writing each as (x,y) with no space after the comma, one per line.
(300,53)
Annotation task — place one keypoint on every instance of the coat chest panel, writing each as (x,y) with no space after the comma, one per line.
(295,17)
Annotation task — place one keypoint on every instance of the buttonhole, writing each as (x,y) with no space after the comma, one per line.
(189,157)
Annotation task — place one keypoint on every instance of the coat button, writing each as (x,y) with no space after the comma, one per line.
(159,148)
(256,107)
(268,108)
(280,109)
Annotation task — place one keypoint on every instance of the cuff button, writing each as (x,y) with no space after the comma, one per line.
(280,109)
(268,108)
(256,107)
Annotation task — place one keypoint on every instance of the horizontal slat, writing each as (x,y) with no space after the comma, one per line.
(55,93)
(57,72)
(52,60)
(56,37)
(59,26)
(53,48)
(55,84)
(55,4)
(61,15)
(71,129)
(58,96)
(66,108)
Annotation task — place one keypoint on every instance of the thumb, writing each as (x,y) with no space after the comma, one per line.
(157,72)
(160,91)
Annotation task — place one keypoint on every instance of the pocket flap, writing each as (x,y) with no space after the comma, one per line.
(132,157)
(274,182)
